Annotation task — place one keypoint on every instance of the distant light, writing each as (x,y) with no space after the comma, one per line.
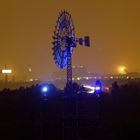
(127,77)
(44,89)
(6,71)
(31,80)
(78,78)
(111,77)
(106,88)
(106,77)
(122,70)
(87,78)
(30,70)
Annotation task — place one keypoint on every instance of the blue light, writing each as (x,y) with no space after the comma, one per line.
(98,86)
(44,89)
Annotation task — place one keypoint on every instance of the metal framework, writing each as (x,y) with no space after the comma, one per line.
(64,41)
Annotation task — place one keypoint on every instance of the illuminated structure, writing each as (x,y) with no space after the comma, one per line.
(6,72)
(64,41)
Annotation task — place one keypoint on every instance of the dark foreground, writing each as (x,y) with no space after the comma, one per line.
(25,114)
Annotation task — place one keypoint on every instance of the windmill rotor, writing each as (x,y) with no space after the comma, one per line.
(64,41)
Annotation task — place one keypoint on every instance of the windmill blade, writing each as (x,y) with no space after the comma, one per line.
(55,37)
(64,28)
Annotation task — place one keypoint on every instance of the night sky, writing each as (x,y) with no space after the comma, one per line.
(26,30)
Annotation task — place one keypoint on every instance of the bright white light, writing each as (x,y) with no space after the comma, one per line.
(97,88)
(92,89)
(6,71)
(44,89)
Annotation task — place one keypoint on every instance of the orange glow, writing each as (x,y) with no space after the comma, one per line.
(122,69)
